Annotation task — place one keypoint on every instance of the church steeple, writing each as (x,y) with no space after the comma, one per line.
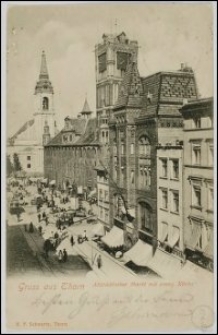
(43,84)
(43,69)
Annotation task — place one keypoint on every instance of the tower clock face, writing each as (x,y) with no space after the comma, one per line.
(102,65)
(122,59)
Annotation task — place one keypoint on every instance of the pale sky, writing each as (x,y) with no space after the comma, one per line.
(168,35)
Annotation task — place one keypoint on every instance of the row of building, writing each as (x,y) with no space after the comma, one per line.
(148,153)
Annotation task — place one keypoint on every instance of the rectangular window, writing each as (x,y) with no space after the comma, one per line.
(106,195)
(196,196)
(164,167)
(100,195)
(132,177)
(29,158)
(175,169)
(28,166)
(196,154)
(164,199)
(210,154)
(132,149)
(210,198)
(122,175)
(122,149)
(106,216)
(175,202)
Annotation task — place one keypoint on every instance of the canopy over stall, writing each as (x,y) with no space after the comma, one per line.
(114,238)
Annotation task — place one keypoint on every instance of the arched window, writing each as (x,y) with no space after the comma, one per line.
(144,217)
(144,146)
(45,103)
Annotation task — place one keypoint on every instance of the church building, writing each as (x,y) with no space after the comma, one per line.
(28,142)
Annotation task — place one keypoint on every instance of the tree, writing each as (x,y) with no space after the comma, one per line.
(17,164)
(10,167)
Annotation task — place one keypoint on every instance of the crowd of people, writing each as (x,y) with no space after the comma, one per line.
(48,203)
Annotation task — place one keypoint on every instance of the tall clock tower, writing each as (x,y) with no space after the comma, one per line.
(44,103)
(112,56)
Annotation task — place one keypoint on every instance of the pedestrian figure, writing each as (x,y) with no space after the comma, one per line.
(72,240)
(99,261)
(40,230)
(65,255)
(46,220)
(31,229)
(43,215)
(60,256)
(84,236)
(39,217)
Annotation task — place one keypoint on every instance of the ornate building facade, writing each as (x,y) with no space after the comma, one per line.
(146,114)
(198,181)
(29,140)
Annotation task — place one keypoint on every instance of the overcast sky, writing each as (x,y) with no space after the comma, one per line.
(167,34)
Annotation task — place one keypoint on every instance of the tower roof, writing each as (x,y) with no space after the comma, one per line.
(131,90)
(86,109)
(43,69)
(43,84)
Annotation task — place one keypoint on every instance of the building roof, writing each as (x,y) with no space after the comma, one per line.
(131,90)
(85,128)
(86,109)
(165,92)
(198,107)
(26,125)
(89,136)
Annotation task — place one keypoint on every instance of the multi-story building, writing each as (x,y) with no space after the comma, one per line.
(170,196)
(146,114)
(29,139)
(71,157)
(103,196)
(198,181)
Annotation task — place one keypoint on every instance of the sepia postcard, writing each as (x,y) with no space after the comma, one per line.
(108,212)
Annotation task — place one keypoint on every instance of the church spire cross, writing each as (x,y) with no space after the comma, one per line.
(43,69)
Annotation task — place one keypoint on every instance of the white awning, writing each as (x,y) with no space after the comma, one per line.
(123,210)
(52,182)
(164,264)
(131,211)
(194,237)
(92,193)
(98,229)
(163,233)
(114,238)
(139,254)
(80,190)
(174,237)
(208,251)
(45,180)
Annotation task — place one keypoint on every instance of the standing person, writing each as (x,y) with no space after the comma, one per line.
(39,217)
(60,256)
(65,255)
(31,229)
(40,230)
(72,240)
(84,236)
(99,261)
